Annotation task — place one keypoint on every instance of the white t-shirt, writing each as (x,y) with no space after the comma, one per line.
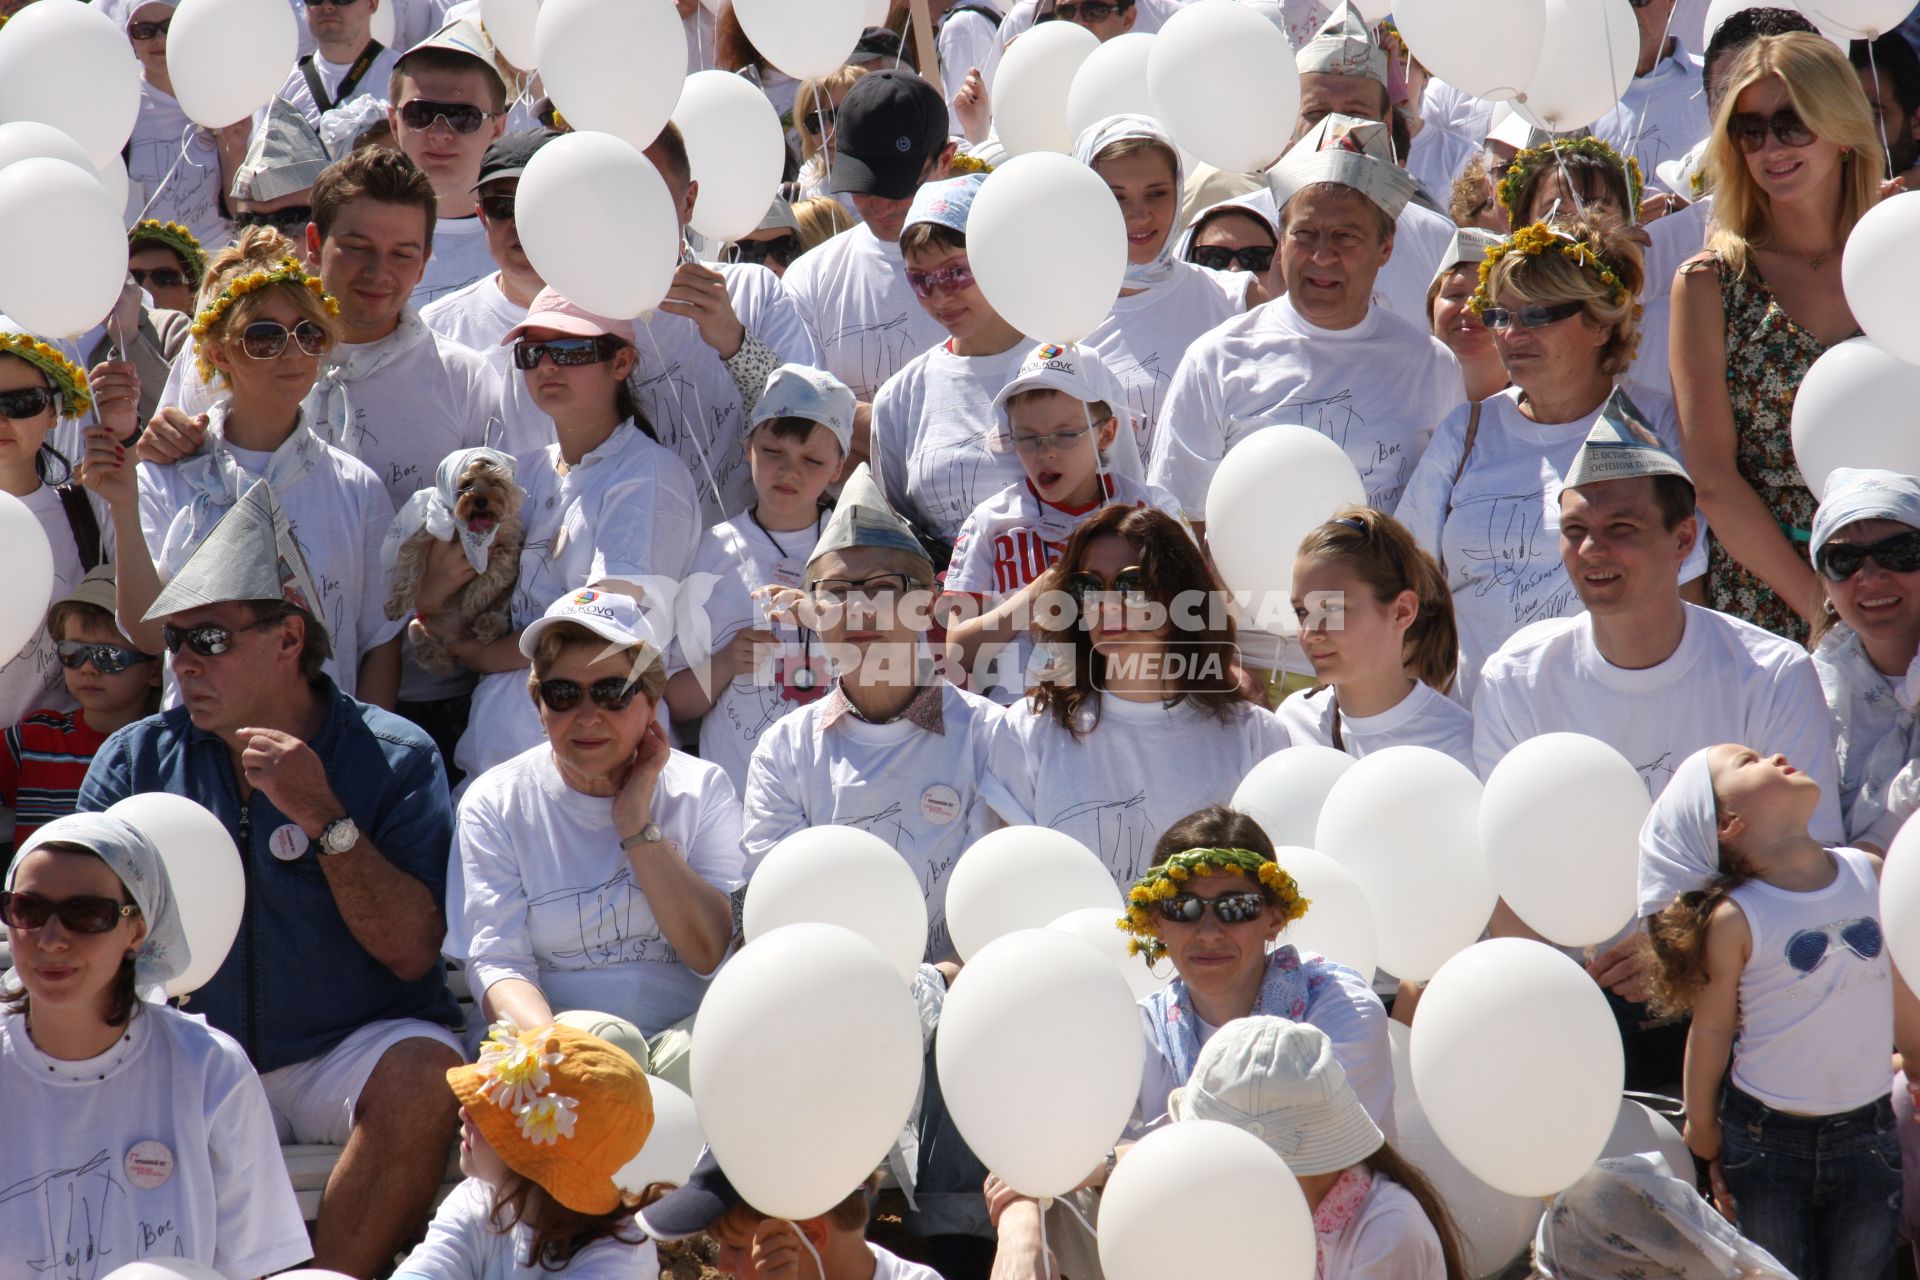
(374,84)
(1729,681)
(171,1155)
(1390,1239)
(888,1267)
(477,317)
(1144,336)
(1466,115)
(1424,718)
(547,895)
(1437,156)
(926,794)
(462,1244)
(1662,114)
(1143,767)
(852,294)
(967,39)
(188,190)
(1421,238)
(1497,532)
(31,678)
(460,256)
(1377,390)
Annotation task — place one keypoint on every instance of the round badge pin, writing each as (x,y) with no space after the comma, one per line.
(149,1164)
(940,804)
(288,842)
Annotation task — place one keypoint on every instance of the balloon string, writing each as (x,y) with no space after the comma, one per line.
(1079,1217)
(1639,126)
(1046,1265)
(186,145)
(819,1267)
(1880,117)
(691,426)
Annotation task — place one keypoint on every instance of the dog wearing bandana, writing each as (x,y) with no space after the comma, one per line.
(474,498)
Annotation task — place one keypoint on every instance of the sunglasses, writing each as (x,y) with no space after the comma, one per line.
(1809,948)
(148,30)
(161,277)
(567,353)
(612,694)
(1228,908)
(209,642)
(77,915)
(952,278)
(421,115)
(266,339)
(1130,582)
(828,592)
(1220,257)
(1898,554)
(1090,10)
(1750,130)
(1058,441)
(497,208)
(25,402)
(107,659)
(782,249)
(819,120)
(292,218)
(1531,316)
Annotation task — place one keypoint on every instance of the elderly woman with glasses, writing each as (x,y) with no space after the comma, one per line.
(1484,500)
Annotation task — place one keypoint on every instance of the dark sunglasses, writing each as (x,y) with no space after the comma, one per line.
(148,30)
(1219,257)
(78,915)
(1898,554)
(163,277)
(292,218)
(107,659)
(567,353)
(25,402)
(1228,908)
(1130,582)
(819,120)
(266,339)
(953,278)
(209,642)
(497,208)
(612,694)
(1531,316)
(1090,10)
(421,115)
(782,249)
(1750,130)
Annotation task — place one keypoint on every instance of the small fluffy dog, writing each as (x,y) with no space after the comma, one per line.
(477,486)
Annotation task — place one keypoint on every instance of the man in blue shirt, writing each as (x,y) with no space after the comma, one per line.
(334,983)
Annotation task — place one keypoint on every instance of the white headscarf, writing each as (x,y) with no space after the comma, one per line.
(1680,840)
(1097,138)
(432,510)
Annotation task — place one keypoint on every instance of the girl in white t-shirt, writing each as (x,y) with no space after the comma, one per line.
(1774,943)
(1376,622)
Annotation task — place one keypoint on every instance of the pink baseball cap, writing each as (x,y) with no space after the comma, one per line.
(551,311)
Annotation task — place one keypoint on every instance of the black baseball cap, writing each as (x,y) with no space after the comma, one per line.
(693,1206)
(888,127)
(508,156)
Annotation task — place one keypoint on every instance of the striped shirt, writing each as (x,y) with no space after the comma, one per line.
(42,766)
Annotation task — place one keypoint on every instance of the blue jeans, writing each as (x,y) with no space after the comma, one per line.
(1820,1193)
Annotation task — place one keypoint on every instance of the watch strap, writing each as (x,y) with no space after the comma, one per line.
(649,834)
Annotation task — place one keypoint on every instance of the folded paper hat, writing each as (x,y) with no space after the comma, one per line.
(251,554)
(285,156)
(1621,446)
(461,36)
(1343,47)
(864,518)
(1470,245)
(1352,152)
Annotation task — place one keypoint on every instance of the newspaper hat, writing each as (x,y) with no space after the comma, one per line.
(1621,446)
(863,518)
(1343,47)
(251,554)
(1352,152)
(285,156)
(779,217)
(801,391)
(461,36)
(1470,245)
(1072,370)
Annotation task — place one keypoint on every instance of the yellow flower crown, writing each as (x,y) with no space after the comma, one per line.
(518,1083)
(288,272)
(1531,242)
(69,380)
(1533,159)
(1163,882)
(176,238)
(969,164)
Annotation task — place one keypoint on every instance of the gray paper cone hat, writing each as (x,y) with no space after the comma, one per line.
(1352,152)
(1622,446)
(863,518)
(249,555)
(1343,47)
(285,156)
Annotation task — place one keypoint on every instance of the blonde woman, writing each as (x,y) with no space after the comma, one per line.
(813,121)
(821,218)
(1794,161)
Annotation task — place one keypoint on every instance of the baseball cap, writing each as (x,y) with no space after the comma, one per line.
(694,1206)
(613,616)
(1072,370)
(508,156)
(887,128)
(552,311)
(800,391)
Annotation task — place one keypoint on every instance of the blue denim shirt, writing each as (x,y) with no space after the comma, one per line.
(296,982)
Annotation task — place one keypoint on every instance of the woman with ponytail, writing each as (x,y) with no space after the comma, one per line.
(1376,621)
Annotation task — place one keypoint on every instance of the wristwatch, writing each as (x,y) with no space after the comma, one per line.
(649,834)
(339,836)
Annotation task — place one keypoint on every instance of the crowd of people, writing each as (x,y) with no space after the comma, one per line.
(508,639)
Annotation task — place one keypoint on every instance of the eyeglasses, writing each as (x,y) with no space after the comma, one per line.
(77,915)
(148,30)
(1531,316)
(1219,257)
(881,586)
(1228,908)
(107,659)
(25,402)
(292,218)
(819,120)
(1809,948)
(782,249)
(266,339)
(421,115)
(567,353)
(1058,441)
(497,208)
(210,642)
(1130,582)
(1750,130)
(160,277)
(1090,10)
(1898,554)
(612,694)
(953,278)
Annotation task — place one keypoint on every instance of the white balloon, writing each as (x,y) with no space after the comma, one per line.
(1405,822)
(1284,793)
(1030,89)
(1518,1064)
(1204,1171)
(1222,80)
(1339,920)
(1272,489)
(597,222)
(79,260)
(1850,411)
(806,1062)
(1573,883)
(1900,902)
(736,149)
(173,1268)
(1639,1129)
(209,883)
(1040,1057)
(1111,82)
(23,608)
(228,58)
(1023,878)
(67,64)
(114,180)
(1856,19)
(877,11)
(673,1146)
(615,66)
(1586,63)
(311,1273)
(1880,277)
(803,40)
(382,28)
(1100,927)
(1489,52)
(513,26)
(26,139)
(843,876)
(1051,288)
